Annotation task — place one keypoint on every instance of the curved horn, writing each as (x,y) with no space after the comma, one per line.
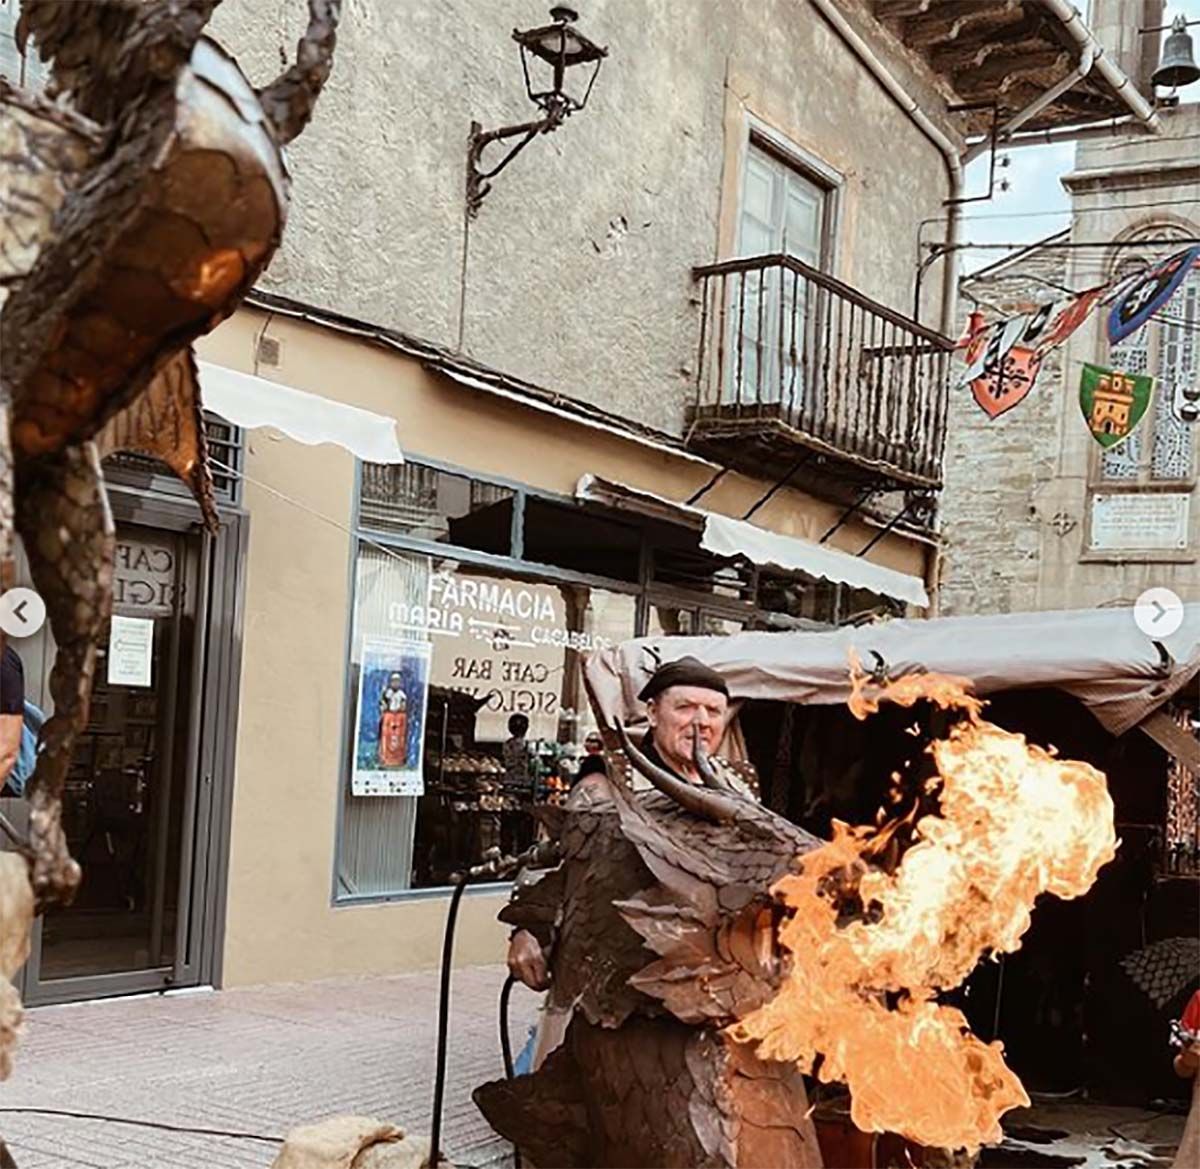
(704,765)
(698,800)
(290,98)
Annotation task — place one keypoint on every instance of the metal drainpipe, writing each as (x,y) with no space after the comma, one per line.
(1087,58)
(1113,128)
(1072,22)
(949,149)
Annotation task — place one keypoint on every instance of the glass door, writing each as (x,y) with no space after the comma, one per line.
(134,799)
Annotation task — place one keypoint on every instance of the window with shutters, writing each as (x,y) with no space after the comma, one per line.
(785,208)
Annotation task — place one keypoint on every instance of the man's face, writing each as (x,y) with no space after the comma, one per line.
(674,714)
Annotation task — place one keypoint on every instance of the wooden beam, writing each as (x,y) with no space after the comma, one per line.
(1173,739)
(1003,68)
(976,45)
(892,9)
(948,21)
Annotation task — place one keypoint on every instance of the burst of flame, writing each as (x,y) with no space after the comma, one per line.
(858,1003)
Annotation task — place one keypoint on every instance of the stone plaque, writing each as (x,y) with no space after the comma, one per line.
(1141,521)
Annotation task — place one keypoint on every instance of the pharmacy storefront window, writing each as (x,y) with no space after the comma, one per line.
(466,713)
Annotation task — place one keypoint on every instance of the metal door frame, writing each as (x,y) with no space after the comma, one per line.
(208,792)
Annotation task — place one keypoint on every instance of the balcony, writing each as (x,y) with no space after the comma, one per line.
(800,375)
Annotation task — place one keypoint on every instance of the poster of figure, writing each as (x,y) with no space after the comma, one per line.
(389,737)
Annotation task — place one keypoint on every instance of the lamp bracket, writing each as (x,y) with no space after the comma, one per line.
(478,180)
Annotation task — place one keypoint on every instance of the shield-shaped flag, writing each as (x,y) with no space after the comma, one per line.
(987,348)
(1113,403)
(1006,381)
(1144,296)
(1066,317)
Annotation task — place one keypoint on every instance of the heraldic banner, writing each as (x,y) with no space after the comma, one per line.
(1113,403)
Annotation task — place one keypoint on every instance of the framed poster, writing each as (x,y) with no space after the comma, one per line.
(389,728)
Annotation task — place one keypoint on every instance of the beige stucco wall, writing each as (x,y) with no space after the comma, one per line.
(577,273)
(280,920)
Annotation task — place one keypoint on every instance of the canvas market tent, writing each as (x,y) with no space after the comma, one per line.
(1098,655)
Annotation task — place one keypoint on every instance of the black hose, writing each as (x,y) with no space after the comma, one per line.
(506,1046)
(543,853)
(505,1040)
(439,1080)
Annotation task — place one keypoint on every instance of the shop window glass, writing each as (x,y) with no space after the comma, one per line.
(423,502)
(800,598)
(679,562)
(671,620)
(444,657)
(570,537)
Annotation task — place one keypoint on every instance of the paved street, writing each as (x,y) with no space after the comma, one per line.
(257,1061)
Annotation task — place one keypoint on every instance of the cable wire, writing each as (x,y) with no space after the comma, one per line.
(139,1122)
(1075,211)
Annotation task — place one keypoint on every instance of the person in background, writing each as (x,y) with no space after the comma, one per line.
(1187,1065)
(588,788)
(590,785)
(12,715)
(593,745)
(514,753)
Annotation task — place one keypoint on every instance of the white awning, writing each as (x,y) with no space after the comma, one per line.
(724,536)
(250,401)
(1098,655)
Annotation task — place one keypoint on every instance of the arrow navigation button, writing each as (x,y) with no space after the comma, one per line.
(22,612)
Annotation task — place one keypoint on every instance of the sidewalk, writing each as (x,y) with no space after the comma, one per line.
(258,1060)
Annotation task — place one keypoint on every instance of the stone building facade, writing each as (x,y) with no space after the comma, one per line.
(992,527)
(576,275)
(1036,515)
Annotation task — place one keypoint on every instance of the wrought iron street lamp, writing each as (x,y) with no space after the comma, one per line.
(552,58)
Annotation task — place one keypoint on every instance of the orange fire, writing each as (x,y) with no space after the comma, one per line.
(858,1004)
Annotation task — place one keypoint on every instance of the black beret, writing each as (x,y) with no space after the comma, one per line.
(686,671)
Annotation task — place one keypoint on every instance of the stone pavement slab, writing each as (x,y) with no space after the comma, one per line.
(257,1060)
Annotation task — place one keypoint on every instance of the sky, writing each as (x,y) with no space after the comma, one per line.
(1035,205)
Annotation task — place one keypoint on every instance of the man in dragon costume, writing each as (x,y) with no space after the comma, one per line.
(142,197)
(710,953)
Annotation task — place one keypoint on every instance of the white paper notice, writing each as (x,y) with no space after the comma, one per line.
(130,650)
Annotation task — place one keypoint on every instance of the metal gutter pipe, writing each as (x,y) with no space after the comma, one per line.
(949,149)
(1113,128)
(1116,77)
(1087,58)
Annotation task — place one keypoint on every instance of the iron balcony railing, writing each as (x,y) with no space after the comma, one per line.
(786,344)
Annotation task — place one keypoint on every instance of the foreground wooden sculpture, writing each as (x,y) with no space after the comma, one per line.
(138,209)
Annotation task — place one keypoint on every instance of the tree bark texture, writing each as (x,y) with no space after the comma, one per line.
(138,209)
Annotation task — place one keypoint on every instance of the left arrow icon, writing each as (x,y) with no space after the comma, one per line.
(22,612)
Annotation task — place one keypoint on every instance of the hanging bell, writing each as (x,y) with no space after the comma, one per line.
(1178,65)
